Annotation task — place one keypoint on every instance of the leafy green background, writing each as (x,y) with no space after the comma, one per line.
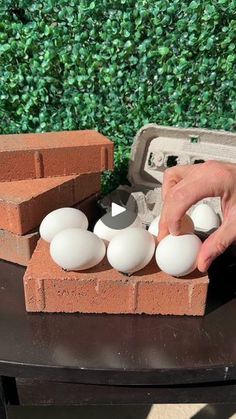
(114,65)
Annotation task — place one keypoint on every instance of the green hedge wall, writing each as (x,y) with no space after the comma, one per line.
(114,65)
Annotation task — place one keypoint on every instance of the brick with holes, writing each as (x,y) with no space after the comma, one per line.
(103,290)
(19,248)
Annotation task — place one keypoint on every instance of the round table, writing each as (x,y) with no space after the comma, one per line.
(89,358)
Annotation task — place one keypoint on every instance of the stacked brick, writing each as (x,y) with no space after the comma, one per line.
(42,172)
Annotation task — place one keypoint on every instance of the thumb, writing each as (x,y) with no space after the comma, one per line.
(216,244)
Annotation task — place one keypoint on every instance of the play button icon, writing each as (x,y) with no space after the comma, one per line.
(116,209)
(120,217)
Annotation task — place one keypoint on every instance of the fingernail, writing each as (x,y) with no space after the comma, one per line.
(174,231)
(207,264)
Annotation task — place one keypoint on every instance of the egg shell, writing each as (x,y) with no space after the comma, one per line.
(205,218)
(77,249)
(107,233)
(187,226)
(177,255)
(61,219)
(131,250)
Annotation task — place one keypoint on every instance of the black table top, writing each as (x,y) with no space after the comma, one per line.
(116,349)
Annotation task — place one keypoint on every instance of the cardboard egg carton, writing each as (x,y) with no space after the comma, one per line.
(156,148)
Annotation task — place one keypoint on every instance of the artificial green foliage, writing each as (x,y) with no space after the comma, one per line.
(115,65)
(112,180)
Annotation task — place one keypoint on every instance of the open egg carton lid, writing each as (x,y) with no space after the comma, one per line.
(156,148)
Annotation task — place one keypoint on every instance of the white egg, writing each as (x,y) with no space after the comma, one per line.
(187,226)
(131,250)
(177,255)
(61,219)
(77,249)
(107,233)
(205,218)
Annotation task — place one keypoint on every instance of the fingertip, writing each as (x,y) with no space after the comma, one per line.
(202,268)
(204,263)
(161,236)
(175,228)
(163,232)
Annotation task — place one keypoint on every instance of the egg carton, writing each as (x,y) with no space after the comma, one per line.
(156,148)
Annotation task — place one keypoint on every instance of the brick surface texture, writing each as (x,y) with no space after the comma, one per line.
(16,248)
(23,204)
(103,290)
(19,248)
(33,156)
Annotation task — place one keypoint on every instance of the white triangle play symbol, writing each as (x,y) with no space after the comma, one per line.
(116,209)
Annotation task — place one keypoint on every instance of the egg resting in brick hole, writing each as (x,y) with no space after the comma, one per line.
(128,235)
(123,241)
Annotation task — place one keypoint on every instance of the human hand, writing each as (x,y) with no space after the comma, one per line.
(184,186)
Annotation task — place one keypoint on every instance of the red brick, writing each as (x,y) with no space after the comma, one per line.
(19,249)
(90,207)
(32,156)
(23,204)
(103,290)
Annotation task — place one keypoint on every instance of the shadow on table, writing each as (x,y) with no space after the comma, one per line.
(85,412)
(222,274)
(216,411)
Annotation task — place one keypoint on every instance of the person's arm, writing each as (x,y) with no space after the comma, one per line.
(184,186)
